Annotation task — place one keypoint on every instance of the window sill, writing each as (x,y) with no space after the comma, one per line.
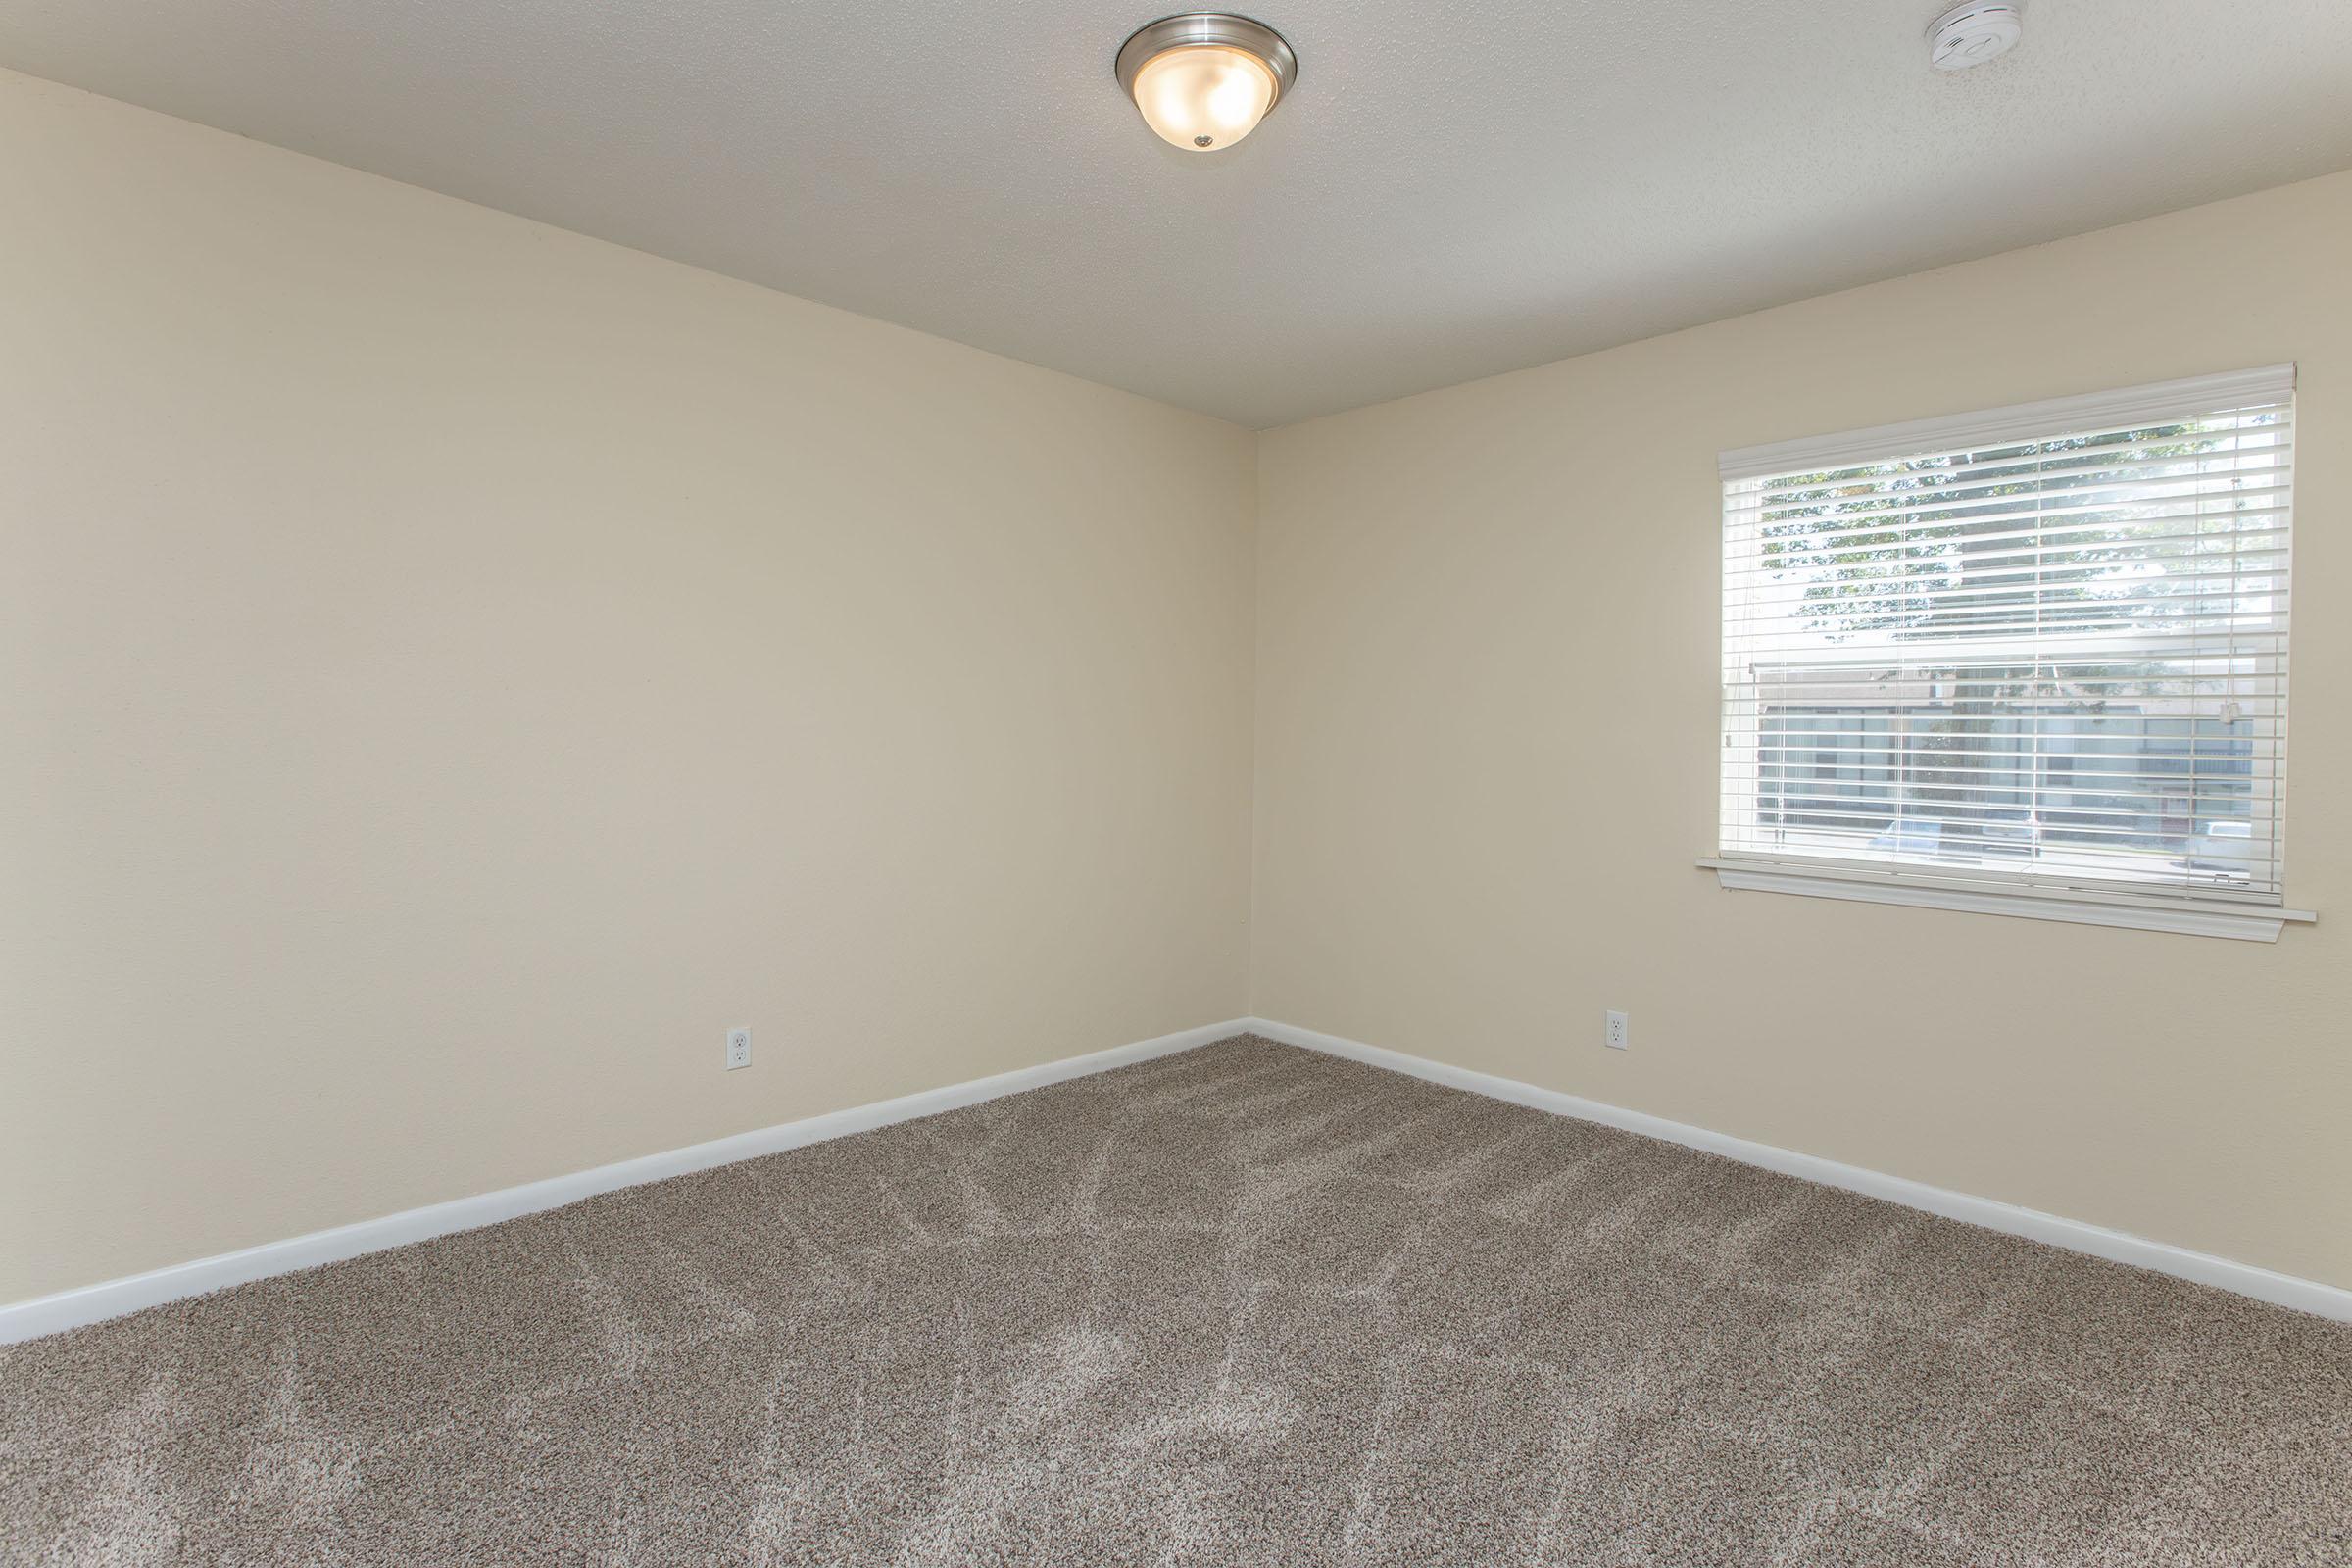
(2201,917)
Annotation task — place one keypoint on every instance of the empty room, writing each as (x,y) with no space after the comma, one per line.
(914,785)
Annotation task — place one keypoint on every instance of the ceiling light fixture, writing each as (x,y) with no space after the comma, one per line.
(1971,35)
(1203,80)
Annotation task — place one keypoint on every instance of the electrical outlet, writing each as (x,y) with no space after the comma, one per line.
(1617,1033)
(739,1048)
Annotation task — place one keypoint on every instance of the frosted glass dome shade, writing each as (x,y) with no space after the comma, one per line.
(1204,97)
(1202,79)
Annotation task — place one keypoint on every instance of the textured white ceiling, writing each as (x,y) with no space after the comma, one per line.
(1453,189)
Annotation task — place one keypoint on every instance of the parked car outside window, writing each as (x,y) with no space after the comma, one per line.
(2223,849)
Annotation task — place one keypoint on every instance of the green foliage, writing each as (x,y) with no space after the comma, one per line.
(1888,546)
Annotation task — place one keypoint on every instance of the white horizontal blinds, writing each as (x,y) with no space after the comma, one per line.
(2042,650)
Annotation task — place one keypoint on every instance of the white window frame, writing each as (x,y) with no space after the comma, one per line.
(1910,884)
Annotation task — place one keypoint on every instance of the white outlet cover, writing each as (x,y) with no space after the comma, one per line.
(1617,1032)
(739,1048)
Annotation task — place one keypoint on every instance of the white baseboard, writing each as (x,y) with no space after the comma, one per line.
(2262,1283)
(91,1303)
(49,1314)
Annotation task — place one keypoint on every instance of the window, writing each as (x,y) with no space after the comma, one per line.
(2032,661)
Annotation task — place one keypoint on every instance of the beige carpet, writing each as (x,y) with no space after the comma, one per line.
(1242,1305)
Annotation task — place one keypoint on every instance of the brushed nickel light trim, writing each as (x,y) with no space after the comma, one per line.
(1221,30)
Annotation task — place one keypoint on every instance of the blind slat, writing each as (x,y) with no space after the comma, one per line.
(2153,407)
(1949,509)
(2090,459)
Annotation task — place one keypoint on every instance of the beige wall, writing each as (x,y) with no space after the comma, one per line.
(455,669)
(1488,684)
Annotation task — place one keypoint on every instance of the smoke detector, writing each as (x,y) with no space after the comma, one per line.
(1971,35)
